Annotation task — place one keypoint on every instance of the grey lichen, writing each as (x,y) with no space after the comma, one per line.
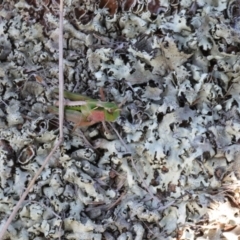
(173,69)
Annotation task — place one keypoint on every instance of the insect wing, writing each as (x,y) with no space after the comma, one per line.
(69,114)
(72,96)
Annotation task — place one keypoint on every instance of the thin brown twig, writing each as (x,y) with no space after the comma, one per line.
(61,114)
(24,195)
(61,80)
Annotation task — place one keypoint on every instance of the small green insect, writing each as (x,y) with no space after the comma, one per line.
(85,111)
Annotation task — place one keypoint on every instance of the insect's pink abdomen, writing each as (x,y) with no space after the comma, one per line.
(96,116)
